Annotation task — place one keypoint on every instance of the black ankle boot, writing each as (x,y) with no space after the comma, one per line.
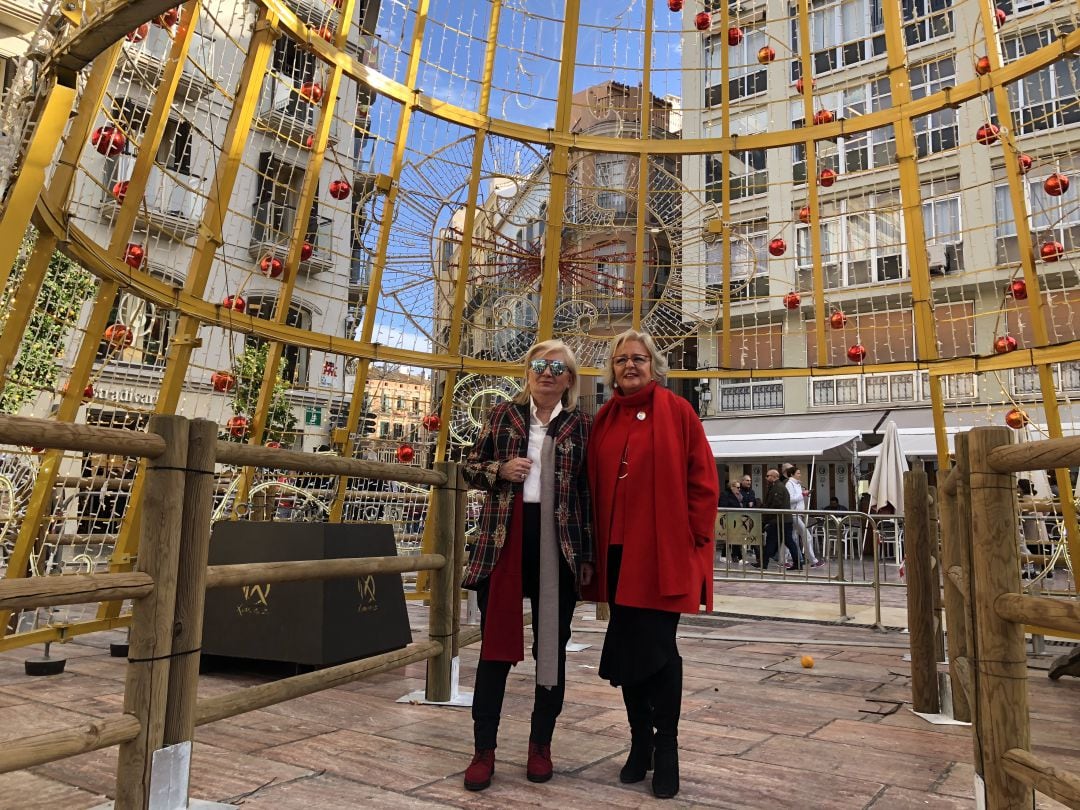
(665,780)
(640,760)
(666,693)
(639,715)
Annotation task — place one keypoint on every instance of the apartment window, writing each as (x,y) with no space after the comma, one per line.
(1056,218)
(935,132)
(861,242)
(857,152)
(401,403)
(749,266)
(925,20)
(1048,98)
(384,430)
(416,404)
(941,217)
(151,328)
(294,360)
(611,183)
(842,33)
(384,402)
(746,76)
(399,431)
(274,214)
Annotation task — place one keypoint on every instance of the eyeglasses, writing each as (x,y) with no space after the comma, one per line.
(556,367)
(636,359)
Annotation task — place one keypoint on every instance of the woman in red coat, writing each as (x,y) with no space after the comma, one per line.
(654,490)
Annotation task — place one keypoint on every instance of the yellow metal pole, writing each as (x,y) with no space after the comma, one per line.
(725,199)
(465,253)
(367,329)
(24,301)
(1026,249)
(640,222)
(560,159)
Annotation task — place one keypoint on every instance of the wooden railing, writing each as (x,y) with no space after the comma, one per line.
(987,612)
(169,586)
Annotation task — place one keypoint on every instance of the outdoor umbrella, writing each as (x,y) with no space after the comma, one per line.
(887,486)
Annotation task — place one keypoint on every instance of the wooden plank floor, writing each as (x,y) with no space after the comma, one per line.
(758,731)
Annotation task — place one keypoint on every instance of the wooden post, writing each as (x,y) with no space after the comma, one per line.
(935,572)
(151,637)
(191,581)
(955,611)
(461,505)
(443,587)
(920,597)
(1000,654)
(963,551)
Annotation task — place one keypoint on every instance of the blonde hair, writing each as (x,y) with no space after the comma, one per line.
(659,361)
(571,394)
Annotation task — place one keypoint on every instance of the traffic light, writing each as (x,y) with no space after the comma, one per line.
(367,423)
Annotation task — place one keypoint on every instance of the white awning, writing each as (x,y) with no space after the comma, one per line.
(781,446)
(915,442)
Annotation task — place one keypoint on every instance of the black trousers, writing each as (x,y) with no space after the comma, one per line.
(772,543)
(491,675)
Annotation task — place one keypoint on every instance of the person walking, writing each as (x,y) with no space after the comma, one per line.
(778,524)
(534,540)
(798,494)
(654,486)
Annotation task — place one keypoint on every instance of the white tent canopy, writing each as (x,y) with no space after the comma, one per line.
(917,443)
(781,445)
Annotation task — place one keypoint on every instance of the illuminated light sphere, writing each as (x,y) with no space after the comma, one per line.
(766,54)
(120,190)
(1056,184)
(139,34)
(988,134)
(118,335)
(108,140)
(792,300)
(223,381)
(734,34)
(982,65)
(1016,419)
(857,353)
(311,91)
(674,5)
(1051,251)
(703,21)
(1018,289)
(431,422)
(270,266)
(305,251)
(827,177)
(134,256)
(799,84)
(824,117)
(169,18)
(1024,163)
(327,33)
(838,320)
(234,302)
(1005,344)
(777,247)
(237,426)
(405,454)
(1000,16)
(804,215)
(340,189)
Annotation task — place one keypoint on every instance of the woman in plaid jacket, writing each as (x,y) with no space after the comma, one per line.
(533,540)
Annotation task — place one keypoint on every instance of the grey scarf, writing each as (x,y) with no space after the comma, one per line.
(547,629)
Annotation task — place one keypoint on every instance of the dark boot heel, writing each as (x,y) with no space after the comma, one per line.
(665,781)
(638,763)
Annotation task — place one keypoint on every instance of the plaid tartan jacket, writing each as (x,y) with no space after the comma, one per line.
(506,436)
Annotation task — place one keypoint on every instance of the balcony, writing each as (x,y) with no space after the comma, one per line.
(172,205)
(315,13)
(147,61)
(284,114)
(359,278)
(750,395)
(896,388)
(272,227)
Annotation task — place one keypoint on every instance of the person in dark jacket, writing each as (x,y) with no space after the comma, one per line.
(731,501)
(778,525)
(533,539)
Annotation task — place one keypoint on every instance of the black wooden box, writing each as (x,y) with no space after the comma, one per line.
(315,623)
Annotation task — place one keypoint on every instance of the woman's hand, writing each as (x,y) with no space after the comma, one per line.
(515,470)
(587,572)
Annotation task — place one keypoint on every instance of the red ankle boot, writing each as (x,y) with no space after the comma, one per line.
(538,768)
(478,774)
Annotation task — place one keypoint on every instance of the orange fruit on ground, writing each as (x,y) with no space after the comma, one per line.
(807,661)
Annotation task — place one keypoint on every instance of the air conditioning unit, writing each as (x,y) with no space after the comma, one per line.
(937,258)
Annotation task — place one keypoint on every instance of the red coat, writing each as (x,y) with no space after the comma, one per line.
(666,518)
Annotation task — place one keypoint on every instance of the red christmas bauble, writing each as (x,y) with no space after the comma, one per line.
(405,453)
(824,117)
(827,177)
(274,445)
(792,300)
(139,34)
(734,34)
(1016,419)
(1018,289)
(766,54)
(799,85)
(1005,344)
(703,21)
(311,91)
(777,247)
(838,320)
(234,302)
(1056,184)
(1051,251)
(987,134)
(327,33)
(120,190)
(223,381)
(237,425)
(1000,16)
(118,335)
(674,5)
(982,65)
(1024,163)
(305,251)
(88,392)
(270,266)
(340,189)
(169,18)
(804,215)
(108,140)
(857,353)
(431,422)
(134,256)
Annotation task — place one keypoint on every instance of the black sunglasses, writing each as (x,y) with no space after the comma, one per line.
(556,367)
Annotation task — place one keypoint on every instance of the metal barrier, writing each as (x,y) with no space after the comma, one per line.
(169,586)
(987,612)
